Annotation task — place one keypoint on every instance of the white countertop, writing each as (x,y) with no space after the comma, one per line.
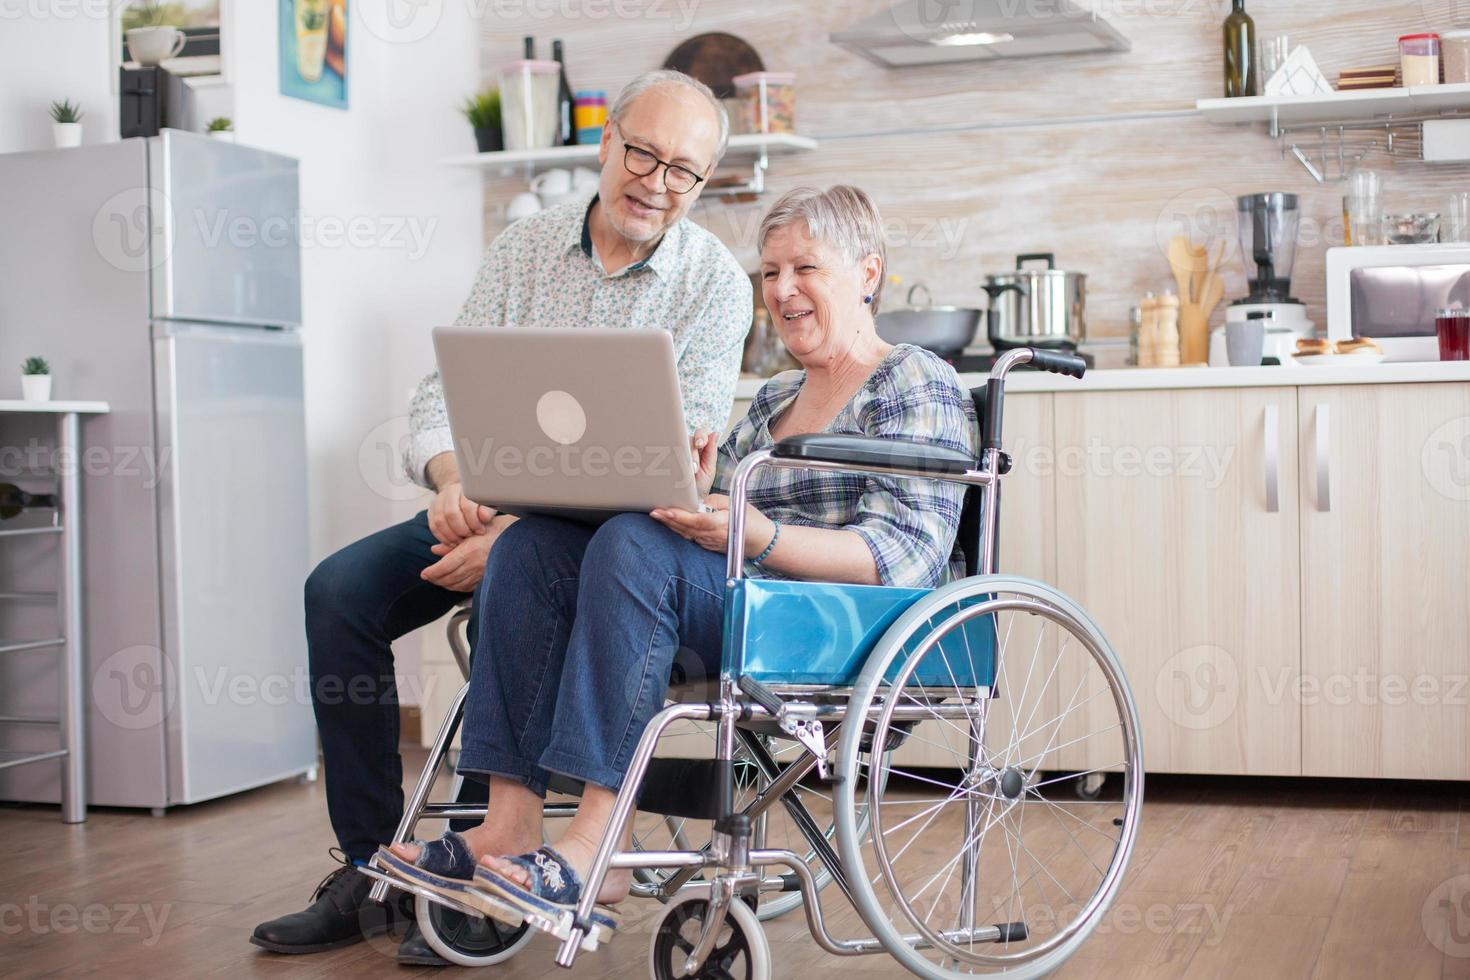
(54,408)
(1143,379)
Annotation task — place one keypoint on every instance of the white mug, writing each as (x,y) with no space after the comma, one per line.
(523,204)
(552,183)
(584,179)
(151,45)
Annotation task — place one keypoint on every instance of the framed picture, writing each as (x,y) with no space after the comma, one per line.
(313,50)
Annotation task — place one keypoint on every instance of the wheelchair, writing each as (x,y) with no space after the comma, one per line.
(962,765)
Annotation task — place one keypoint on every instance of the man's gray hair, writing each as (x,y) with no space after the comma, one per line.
(653,79)
(843,217)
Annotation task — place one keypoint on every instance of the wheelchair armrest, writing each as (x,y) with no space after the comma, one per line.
(873,453)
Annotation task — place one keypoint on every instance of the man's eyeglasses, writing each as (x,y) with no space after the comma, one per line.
(641,163)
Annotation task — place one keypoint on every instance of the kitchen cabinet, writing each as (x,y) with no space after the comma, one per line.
(1385,544)
(1177,530)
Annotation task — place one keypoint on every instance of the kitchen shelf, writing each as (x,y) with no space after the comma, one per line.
(512,161)
(1363,106)
(753,149)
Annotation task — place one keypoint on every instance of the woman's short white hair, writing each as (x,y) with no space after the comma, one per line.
(653,79)
(843,217)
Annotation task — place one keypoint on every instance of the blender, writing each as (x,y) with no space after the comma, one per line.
(1268,233)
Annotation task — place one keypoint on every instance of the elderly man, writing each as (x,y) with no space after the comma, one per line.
(627,258)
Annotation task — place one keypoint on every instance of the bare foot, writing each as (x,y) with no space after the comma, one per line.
(482,840)
(579,853)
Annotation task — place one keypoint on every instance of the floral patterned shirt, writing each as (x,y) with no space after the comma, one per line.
(542,271)
(909,525)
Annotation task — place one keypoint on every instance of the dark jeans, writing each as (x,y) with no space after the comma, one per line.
(574,651)
(357,602)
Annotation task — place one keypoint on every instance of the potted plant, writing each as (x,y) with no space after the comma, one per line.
(221,128)
(66,124)
(483,112)
(35,380)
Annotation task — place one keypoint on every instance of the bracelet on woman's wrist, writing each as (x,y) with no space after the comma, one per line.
(774,538)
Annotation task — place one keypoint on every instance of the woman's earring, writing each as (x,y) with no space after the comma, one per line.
(868,298)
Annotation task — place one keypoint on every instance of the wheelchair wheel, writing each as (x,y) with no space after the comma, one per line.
(468,940)
(741,952)
(999,868)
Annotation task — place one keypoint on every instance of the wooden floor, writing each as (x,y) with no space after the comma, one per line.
(1231,878)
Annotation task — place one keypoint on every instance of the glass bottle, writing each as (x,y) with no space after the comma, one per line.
(566,133)
(1241,69)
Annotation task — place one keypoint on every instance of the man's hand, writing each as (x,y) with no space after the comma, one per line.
(461,566)
(454,518)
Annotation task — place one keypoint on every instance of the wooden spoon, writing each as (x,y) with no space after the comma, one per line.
(1199,264)
(1181,258)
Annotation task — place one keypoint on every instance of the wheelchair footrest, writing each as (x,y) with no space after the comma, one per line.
(1011,932)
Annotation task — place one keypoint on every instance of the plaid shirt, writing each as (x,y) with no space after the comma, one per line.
(909,525)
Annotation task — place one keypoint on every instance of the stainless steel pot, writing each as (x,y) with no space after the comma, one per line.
(1036,307)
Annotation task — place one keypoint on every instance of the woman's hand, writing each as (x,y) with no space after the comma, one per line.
(706,451)
(711,529)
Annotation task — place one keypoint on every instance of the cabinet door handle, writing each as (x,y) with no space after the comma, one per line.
(1271,462)
(1323,434)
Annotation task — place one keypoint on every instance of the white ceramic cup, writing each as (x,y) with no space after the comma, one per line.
(584,179)
(523,204)
(151,45)
(552,183)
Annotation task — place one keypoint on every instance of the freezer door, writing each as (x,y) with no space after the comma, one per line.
(234,557)
(226,243)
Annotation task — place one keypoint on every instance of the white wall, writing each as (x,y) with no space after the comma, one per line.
(371,296)
(52,51)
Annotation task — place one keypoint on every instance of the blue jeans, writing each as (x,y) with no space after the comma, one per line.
(579,628)
(358,601)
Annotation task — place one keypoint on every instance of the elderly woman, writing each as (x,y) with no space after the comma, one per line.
(581,625)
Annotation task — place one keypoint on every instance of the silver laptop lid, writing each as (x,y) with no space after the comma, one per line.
(581,422)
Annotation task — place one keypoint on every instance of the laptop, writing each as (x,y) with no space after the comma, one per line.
(575,422)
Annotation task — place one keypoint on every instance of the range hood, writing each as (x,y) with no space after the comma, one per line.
(937,32)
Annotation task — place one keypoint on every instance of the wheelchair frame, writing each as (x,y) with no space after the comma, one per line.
(735,864)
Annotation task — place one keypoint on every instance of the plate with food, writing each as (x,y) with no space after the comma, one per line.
(1317,352)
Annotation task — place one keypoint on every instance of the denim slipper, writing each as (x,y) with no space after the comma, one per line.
(555,889)
(446,866)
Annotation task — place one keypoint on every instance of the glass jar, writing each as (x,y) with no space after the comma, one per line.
(528,104)
(1454,54)
(769,99)
(1419,55)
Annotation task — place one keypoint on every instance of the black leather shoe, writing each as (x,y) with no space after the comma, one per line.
(340,914)
(416,951)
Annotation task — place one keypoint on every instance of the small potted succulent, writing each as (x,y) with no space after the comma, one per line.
(66,124)
(35,380)
(483,112)
(221,128)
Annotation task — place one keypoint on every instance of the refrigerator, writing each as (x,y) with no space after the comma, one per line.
(162,275)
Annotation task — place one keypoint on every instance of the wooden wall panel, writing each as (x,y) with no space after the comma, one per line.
(1104,195)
